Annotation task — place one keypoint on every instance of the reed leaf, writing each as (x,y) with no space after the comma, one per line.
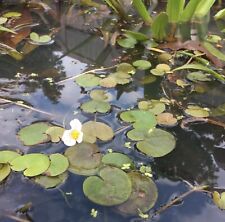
(203,8)
(174,9)
(142,11)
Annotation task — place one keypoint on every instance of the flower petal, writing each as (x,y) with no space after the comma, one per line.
(76,124)
(80,138)
(67,139)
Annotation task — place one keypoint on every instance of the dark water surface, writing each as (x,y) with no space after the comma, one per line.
(199,157)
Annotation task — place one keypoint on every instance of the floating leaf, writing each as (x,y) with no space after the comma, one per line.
(59,164)
(142,64)
(84,159)
(94,106)
(182,83)
(88,80)
(147,79)
(6,156)
(218,111)
(111,187)
(154,143)
(32,164)
(126,68)
(214,38)
(96,130)
(127,42)
(164,57)
(163,67)
(219,199)
(55,133)
(99,95)
(4,171)
(108,82)
(121,78)
(157,72)
(40,38)
(143,197)
(154,106)
(197,111)
(140,119)
(116,159)
(166,119)
(198,76)
(51,182)
(34,134)
(12,14)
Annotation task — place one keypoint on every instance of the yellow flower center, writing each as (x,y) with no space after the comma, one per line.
(75,134)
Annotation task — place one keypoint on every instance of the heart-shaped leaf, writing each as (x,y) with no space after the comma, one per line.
(84,159)
(32,164)
(142,64)
(166,119)
(88,80)
(94,106)
(98,95)
(96,130)
(34,134)
(116,159)
(59,164)
(55,133)
(143,197)
(112,186)
(6,156)
(51,182)
(219,199)
(198,76)
(126,68)
(153,106)
(154,143)
(196,111)
(140,119)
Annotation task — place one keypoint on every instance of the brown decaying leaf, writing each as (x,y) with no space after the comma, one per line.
(193,46)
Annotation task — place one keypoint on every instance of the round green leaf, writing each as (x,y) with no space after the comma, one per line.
(198,76)
(153,106)
(51,182)
(196,111)
(98,95)
(163,67)
(126,68)
(111,187)
(157,143)
(116,159)
(6,156)
(140,119)
(34,37)
(84,159)
(157,72)
(59,164)
(34,134)
(121,78)
(55,133)
(96,130)
(94,106)
(88,80)
(32,164)
(143,197)
(142,64)
(127,42)
(4,171)
(219,199)
(45,38)
(108,82)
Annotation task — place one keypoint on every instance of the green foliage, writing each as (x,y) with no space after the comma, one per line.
(111,187)
(160,26)
(142,11)
(116,159)
(203,8)
(174,10)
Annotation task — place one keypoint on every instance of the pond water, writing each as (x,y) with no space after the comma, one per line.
(198,159)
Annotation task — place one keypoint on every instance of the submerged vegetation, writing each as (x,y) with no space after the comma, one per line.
(172,47)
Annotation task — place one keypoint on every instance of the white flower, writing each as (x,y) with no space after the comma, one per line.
(74,135)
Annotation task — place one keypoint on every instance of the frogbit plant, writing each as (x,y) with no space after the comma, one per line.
(74,135)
